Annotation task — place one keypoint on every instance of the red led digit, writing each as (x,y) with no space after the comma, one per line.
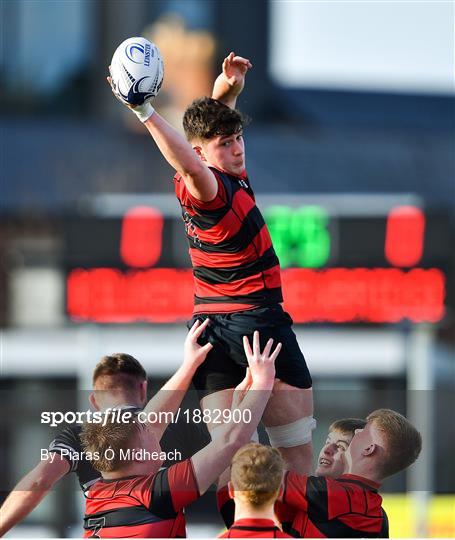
(404,236)
(141,238)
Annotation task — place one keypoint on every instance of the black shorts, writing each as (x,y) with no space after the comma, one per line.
(226,363)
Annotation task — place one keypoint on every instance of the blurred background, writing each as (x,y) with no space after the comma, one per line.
(351,154)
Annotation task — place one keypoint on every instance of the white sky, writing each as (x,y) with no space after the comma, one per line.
(372,45)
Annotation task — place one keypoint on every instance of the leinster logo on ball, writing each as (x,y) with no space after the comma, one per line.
(138,53)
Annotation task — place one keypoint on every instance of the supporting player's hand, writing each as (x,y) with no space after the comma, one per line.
(194,354)
(241,389)
(234,70)
(262,364)
(115,91)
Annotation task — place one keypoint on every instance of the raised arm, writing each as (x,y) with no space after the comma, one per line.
(229,84)
(176,150)
(170,396)
(213,459)
(31,490)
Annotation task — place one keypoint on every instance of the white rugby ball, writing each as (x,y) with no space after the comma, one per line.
(137,70)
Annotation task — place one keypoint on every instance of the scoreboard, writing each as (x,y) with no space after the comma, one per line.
(344,259)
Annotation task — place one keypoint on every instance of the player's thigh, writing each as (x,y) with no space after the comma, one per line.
(287,404)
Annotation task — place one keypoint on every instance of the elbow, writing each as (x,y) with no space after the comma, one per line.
(235,437)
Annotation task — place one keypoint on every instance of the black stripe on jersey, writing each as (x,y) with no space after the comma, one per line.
(385,525)
(287,528)
(272,296)
(251,225)
(335,528)
(227,512)
(120,517)
(215,276)
(207,220)
(161,501)
(317,498)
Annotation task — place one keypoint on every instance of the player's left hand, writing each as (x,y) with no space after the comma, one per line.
(194,354)
(235,69)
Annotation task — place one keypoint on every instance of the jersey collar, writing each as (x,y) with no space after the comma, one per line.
(254,522)
(361,479)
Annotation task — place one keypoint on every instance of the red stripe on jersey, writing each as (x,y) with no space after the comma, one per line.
(222,308)
(188,200)
(260,244)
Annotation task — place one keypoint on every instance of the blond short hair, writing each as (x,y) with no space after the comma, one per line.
(104,443)
(257,472)
(402,440)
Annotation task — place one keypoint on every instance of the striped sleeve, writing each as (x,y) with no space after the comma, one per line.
(68,445)
(187,199)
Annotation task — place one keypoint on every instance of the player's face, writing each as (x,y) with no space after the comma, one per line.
(332,460)
(226,152)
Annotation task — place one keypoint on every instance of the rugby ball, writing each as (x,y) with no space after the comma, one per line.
(137,70)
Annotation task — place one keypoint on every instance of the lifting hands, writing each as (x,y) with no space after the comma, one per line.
(231,81)
(235,69)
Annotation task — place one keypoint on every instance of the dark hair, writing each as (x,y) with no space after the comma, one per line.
(347,426)
(206,118)
(119,364)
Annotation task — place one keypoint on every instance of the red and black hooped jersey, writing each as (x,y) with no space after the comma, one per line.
(254,528)
(349,507)
(141,506)
(234,264)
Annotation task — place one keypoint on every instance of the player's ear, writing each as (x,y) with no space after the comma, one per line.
(280,493)
(199,151)
(93,403)
(143,391)
(231,490)
(370,450)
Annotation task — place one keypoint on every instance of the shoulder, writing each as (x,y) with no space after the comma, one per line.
(187,200)
(68,438)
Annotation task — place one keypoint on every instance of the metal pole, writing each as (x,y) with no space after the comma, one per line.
(420,408)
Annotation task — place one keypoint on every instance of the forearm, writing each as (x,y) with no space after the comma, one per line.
(252,407)
(30,491)
(18,506)
(169,397)
(225,92)
(174,147)
(212,460)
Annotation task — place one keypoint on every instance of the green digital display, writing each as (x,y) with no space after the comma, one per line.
(300,235)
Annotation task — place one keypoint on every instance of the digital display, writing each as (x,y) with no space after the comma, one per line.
(345,268)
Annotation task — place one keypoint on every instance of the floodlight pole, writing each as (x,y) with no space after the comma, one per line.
(420,409)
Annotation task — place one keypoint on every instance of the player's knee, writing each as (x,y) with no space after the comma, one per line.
(294,434)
